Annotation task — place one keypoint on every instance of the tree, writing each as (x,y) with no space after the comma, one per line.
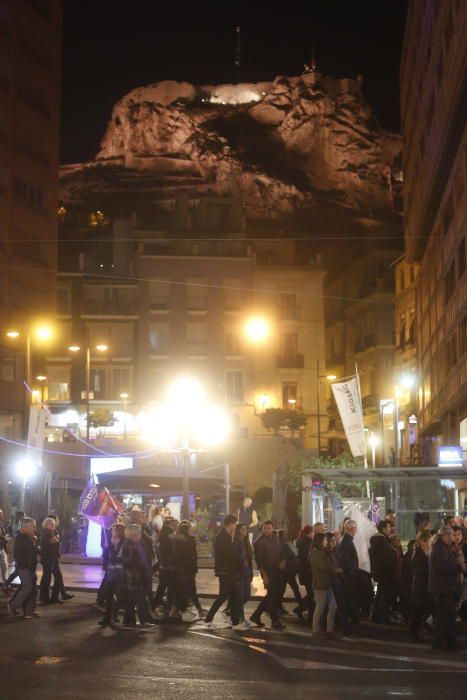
(101,418)
(276,418)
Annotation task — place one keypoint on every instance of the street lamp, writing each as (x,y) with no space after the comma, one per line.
(41,333)
(100,347)
(186,416)
(257,329)
(330,378)
(124,396)
(26,469)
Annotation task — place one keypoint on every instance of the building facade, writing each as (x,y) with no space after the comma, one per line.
(177,301)
(359,308)
(30,44)
(434,105)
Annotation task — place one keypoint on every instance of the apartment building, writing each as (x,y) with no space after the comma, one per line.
(30,44)
(434,105)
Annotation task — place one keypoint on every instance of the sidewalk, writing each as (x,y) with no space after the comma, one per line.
(87,577)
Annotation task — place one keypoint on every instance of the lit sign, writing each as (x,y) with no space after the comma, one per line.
(107,465)
(450,457)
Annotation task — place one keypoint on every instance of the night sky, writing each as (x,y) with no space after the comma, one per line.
(110,48)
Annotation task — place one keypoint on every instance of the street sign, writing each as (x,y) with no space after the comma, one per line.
(450,456)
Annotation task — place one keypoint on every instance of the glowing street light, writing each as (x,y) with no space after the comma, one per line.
(186,416)
(257,329)
(26,469)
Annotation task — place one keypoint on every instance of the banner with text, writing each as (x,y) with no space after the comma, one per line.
(35,446)
(348,402)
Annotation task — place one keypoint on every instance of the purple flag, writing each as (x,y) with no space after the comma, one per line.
(98,504)
(373,513)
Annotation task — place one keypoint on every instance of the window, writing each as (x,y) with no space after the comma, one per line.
(58,383)
(402,330)
(197,338)
(289,394)
(197,293)
(63,300)
(159,338)
(27,193)
(98,383)
(461,259)
(233,346)
(234,295)
(451,351)
(448,213)
(7,368)
(120,381)
(234,387)
(450,283)
(289,345)
(159,295)
(288,304)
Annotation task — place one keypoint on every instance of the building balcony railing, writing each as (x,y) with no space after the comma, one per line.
(290,314)
(110,308)
(291,362)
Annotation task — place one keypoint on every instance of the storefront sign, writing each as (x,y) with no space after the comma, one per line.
(450,456)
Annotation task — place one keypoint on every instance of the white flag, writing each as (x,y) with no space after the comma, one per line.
(37,418)
(349,404)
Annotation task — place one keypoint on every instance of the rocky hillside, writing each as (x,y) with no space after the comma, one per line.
(288,148)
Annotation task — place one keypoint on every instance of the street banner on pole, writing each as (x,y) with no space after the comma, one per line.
(347,396)
(35,445)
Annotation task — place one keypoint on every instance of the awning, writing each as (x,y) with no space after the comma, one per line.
(388,474)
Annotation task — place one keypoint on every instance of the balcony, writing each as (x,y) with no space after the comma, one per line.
(99,307)
(291,362)
(290,314)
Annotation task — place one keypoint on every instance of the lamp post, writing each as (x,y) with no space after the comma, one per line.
(330,378)
(40,333)
(100,347)
(186,416)
(124,396)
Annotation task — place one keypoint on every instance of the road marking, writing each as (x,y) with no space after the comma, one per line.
(292,663)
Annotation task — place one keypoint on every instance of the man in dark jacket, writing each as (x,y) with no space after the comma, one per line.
(227,568)
(383,571)
(304,572)
(445,585)
(25,554)
(269,557)
(349,562)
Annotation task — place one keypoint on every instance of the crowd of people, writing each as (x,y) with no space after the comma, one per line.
(27,546)
(424,587)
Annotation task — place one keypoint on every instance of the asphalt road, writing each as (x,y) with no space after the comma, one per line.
(65,655)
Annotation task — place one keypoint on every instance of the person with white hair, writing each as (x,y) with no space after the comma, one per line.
(50,560)
(25,553)
(248,516)
(348,557)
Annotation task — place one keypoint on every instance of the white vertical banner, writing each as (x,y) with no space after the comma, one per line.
(37,418)
(348,402)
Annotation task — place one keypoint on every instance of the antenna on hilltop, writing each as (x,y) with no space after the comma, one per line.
(312,66)
(238,53)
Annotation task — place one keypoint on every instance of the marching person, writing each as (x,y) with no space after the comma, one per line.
(248,516)
(271,563)
(227,569)
(350,577)
(290,571)
(323,580)
(25,553)
(115,594)
(303,545)
(137,572)
(186,562)
(444,581)
(50,560)
(383,569)
(421,598)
